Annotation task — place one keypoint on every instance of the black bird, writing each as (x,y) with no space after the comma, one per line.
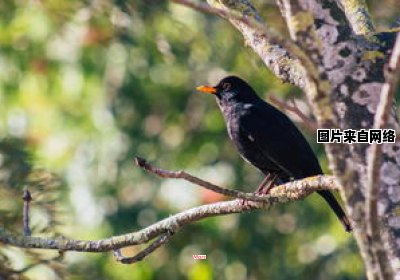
(267,138)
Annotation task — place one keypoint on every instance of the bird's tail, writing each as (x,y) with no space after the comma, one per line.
(334,204)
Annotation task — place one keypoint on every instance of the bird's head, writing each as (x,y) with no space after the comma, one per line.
(229,89)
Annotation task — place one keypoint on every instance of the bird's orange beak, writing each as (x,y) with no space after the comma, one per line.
(207,89)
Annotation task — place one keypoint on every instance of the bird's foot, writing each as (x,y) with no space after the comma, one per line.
(267,184)
(263,189)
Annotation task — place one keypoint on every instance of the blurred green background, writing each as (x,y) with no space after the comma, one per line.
(87,85)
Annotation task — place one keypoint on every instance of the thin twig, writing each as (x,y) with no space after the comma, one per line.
(380,121)
(25,219)
(163,239)
(308,122)
(141,162)
(375,152)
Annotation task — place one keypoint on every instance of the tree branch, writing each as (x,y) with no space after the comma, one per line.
(163,229)
(162,240)
(277,194)
(269,46)
(25,219)
(359,17)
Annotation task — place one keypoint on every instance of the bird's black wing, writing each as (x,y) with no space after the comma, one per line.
(277,138)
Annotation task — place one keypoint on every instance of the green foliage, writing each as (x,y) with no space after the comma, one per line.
(86,86)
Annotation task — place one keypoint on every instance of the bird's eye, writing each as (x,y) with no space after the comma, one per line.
(226,86)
